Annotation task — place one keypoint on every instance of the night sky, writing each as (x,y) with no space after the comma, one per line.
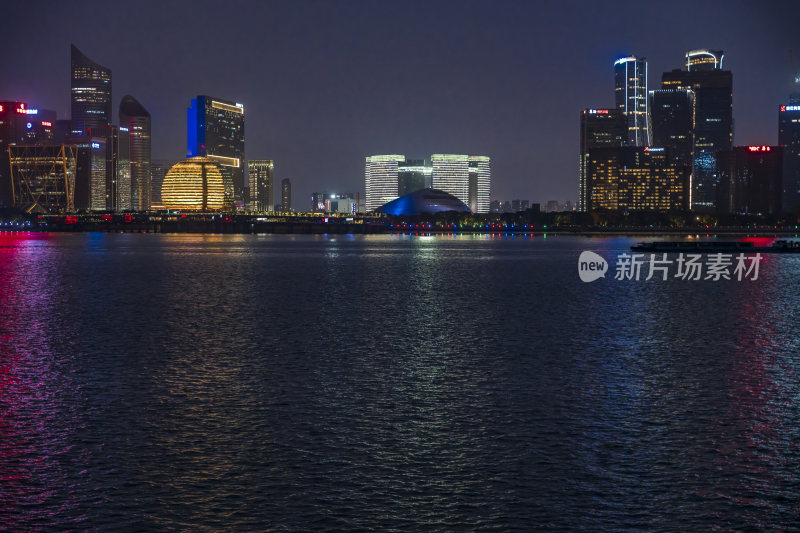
(326,83)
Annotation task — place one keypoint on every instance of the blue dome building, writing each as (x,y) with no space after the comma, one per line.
(423,201)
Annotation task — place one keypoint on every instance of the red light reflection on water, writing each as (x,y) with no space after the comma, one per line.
(32,412)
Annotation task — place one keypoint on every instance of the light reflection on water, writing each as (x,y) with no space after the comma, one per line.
(388,382)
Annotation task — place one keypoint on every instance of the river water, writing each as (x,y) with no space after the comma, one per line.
(391,383)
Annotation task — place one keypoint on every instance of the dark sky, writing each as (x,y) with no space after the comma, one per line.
(326,83)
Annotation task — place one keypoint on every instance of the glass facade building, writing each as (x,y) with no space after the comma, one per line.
(789,139)
(634,179)
(672,119)
(13,123)
(451,175)
(713,131)
(750,180)
(413,175)
(123,200)
(466,177)
(480,182)
(215,129)
(90,93)
(600,128)
(261,173)
(381,179)
(630,91)
(704,59)
(108,137)
(135,118)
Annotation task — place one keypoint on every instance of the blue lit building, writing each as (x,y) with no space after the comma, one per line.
(424,201)
(215,129)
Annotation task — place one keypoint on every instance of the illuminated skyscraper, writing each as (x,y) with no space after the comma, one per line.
(136,119)
(123,192)
(261,173)
(713,132)
(600,128)
(216,130)
(91,183)
(704,59)
(672,124)
(789,138)
(90,93)
(630,90)
(13,121)
(381,179)
(480,181)
(286,195)
(634,178)
(108,137)
(451,175)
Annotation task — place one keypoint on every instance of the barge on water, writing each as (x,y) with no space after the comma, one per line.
(777,247)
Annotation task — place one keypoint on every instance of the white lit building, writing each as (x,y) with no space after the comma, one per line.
(467,177)
(480,181)
(380,179)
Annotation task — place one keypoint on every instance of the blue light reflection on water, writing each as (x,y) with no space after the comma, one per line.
(406,382)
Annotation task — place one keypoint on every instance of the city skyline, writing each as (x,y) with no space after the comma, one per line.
(309,127)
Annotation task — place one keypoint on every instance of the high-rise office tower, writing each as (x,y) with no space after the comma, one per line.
(261,172)
(92,189)
(713,131)
(108,136)
(750,180)
(13,120)
(630,90)
(480,180)
(381,179)
(90,95)
(286,195)
(39,126)
(451,175)
(789,138)
(134,117)
(413,175)
(633,178)
(216,130)
(600,128)
(672,123)
(704,59)
(123,192)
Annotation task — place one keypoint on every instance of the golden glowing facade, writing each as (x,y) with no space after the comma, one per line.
(634,179)
(195,184)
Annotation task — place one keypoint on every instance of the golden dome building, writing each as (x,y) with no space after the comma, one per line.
(195,184)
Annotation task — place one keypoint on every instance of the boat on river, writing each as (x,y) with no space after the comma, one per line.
(780,246)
